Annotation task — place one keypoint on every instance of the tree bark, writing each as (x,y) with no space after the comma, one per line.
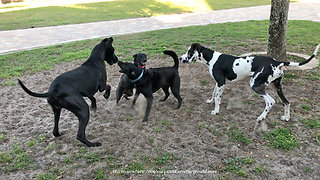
(278,29)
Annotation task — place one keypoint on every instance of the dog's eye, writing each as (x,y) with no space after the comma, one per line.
(190,55)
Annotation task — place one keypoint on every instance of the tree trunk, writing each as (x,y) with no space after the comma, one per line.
(5,1)
(278,29)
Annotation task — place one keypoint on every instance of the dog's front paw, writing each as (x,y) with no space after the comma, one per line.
(107,92)
(261,117)
(57,134)
(214,112)
(209,101)
(96,144)
(285,118)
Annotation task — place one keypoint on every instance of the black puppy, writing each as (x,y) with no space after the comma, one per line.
(68,89)
(125,86)
(148,81)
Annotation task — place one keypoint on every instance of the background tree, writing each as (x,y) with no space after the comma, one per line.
(278,29)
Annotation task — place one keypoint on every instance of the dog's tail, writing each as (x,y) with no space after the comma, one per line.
(32,93)
(174,57)
(303,62)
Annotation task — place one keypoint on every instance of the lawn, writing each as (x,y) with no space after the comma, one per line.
(111,10)
(242,37)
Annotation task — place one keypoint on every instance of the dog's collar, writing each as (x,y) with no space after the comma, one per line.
(135,80)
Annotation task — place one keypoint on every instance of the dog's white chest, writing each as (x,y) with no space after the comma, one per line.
(242,68)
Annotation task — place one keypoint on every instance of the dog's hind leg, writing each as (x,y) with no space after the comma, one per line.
(149,98)
(93,103)
(119,93)
(166,92)
(80,108)
(209,101)
(217,99)
(261,90)
(278,86)
(56,112)
(136,95)
(175,89)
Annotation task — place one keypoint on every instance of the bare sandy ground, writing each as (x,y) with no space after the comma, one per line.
(195,139)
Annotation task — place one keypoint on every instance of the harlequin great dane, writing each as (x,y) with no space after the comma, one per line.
(263,70)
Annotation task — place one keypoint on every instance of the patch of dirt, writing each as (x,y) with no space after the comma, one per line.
(188,139)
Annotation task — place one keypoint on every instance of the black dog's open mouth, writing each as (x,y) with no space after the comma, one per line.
(143,65)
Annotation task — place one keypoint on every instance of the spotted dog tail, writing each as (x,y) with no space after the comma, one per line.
(32,93)
(304,62)
(174,57)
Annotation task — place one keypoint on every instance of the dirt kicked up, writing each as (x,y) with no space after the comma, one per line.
(173,144)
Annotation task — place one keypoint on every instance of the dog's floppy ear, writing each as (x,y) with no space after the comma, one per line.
(135,56)
(111,40)
(120,64)
(196,46)
(108,40)
(105,39)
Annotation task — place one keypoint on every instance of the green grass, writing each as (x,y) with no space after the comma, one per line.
(235,165)
(99,173)
(134,166)
(226,38)
(306,108)
(16,159)
(311,123)
(237,136)
(102,11)
(165,122)
(259,170)
(159,161)
(5,158)
(281,138)
(163,158)
(68,159)
(31,143)
(2,137)
(93,157)
(52,174)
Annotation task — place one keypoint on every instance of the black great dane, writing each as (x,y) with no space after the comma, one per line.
(68,89)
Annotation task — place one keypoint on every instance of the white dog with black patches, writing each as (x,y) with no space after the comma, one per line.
(263,70)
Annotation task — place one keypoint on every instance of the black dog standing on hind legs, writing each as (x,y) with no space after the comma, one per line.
(263,70)
(125,86)
(148,81)
(68,89)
